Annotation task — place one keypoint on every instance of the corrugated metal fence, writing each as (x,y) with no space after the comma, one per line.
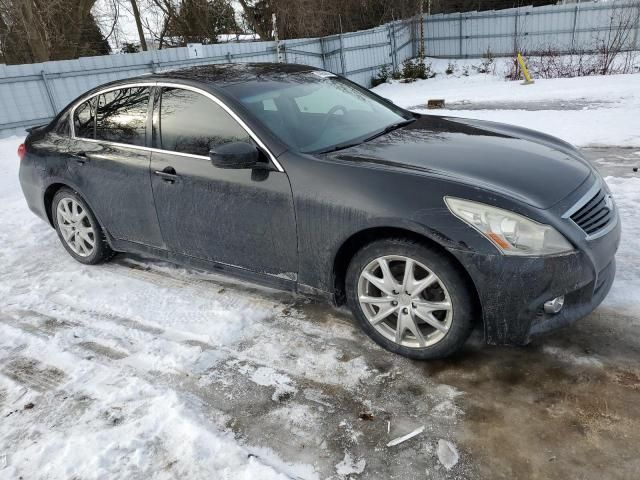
(32,94)
(564,28)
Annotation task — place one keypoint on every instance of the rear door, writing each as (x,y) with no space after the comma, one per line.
(110,162)
(239,217)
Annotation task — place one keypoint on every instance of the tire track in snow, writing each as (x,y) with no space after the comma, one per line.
(33,373)
(322,412)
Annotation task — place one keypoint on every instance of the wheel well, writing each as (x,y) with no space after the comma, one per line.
(48,198)
(357,241)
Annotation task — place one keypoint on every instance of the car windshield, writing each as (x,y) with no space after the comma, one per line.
(317,112)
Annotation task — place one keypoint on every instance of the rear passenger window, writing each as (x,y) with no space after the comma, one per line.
(192,123)
(122,116)
(84,119)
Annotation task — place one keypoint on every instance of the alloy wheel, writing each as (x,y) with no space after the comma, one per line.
(75,226)
(405,301)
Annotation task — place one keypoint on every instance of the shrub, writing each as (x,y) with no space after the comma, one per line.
(549,63)
(413,70)
(451,68)
(382,76)
(488,63)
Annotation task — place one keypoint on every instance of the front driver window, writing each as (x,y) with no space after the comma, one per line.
(191,123)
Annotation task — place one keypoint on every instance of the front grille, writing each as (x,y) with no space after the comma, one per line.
(595,214)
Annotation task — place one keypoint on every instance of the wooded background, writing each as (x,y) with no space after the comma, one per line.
(33,31)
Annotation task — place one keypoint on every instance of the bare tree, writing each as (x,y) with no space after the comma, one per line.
(41,30)
(257,24)
(314,18)
(617,38)
(136,16)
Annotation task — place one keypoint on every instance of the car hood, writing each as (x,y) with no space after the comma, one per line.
(536,168)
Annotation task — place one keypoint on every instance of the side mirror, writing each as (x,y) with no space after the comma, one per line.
(235,155)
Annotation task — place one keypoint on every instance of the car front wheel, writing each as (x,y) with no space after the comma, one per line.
(410,299)
(78,229)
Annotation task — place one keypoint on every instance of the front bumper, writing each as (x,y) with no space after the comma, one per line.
(513,290)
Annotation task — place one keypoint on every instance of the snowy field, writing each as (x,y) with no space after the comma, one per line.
(585,111)
(141,369)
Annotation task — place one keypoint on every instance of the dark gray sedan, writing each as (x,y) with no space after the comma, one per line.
(298,179)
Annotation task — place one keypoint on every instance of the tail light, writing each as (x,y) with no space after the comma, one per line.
(22,151)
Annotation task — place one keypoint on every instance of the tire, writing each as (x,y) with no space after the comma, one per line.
(71,214)
(435,289)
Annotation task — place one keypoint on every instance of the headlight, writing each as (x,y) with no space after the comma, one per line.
(513,234)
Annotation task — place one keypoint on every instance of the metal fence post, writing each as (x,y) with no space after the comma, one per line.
(342,55)
(636,36)
(47,86)
(460,34)
(515,32)
(576,12)
(324,57)
(392,46)
(341,47)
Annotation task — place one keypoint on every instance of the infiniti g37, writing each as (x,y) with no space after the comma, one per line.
(295,178)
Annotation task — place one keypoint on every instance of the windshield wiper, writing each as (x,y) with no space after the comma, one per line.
(384,131)
(388,129)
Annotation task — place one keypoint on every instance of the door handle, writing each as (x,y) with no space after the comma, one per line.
(80,158)
(168,174)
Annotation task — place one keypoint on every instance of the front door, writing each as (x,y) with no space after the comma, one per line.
(238,217)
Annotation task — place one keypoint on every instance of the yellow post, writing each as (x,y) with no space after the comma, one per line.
(528,80)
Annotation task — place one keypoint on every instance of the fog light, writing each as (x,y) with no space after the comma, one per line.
(555,305)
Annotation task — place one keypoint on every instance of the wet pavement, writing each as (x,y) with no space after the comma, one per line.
(615,162)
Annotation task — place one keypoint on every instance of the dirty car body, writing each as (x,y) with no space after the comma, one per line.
(295,216)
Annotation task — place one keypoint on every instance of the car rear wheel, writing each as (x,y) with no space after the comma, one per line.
(410,299)
(78,229)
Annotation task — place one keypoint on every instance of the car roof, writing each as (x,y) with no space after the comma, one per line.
(213,76)
(228,73)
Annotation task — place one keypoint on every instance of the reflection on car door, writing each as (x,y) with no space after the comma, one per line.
(109,170)
(239,217)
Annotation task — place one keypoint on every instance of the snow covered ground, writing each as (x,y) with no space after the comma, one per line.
(141,369)
(585,111)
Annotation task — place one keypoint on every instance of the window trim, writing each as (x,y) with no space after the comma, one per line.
(208,95)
